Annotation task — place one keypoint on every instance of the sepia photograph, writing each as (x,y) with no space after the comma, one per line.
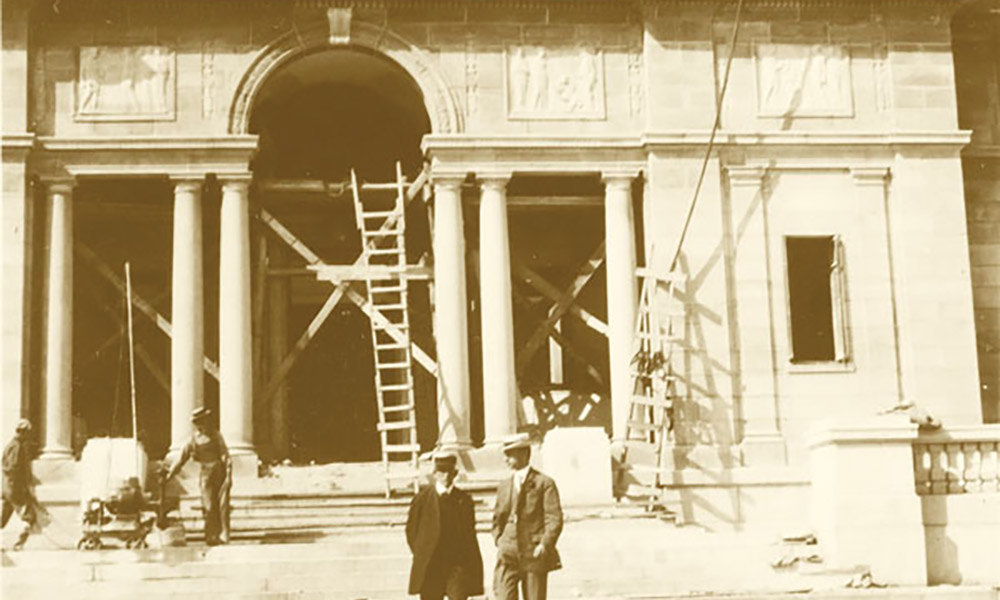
(500,299)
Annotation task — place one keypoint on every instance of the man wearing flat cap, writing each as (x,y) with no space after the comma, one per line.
(207,447)
(441,533)
(17,495)
(526,525)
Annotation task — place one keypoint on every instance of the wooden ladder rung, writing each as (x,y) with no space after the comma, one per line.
(382,233)
(387,326)
(380,214)
(383,251)
(396,387)
(654,402)
(397,306)
(388,289)
(642,426)
(391,346)
(399,448)
(393,365)
(397,408)
(396,425)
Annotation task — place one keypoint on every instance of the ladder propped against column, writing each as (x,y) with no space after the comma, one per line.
(659,327)
(381,220)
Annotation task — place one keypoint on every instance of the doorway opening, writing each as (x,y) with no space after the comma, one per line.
(320,117)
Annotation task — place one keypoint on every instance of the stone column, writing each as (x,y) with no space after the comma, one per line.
(451,316)
(620,264)
(235,347)
(58,408)
(187,345)
(16,302)
(752,280)
(499,379)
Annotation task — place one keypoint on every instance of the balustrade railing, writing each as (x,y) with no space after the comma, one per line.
(958,461)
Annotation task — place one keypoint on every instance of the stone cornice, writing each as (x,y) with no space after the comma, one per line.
(16,146)
(456,155)
(144,156)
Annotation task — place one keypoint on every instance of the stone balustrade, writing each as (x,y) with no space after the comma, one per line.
(958,461)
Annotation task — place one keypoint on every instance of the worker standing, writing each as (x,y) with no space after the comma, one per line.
(207,447)
(17,494)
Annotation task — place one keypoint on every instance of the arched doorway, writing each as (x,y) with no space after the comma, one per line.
(318,116)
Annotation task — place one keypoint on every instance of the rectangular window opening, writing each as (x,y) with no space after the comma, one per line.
(816,299)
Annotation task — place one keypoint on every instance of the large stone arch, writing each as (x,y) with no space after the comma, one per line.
(439,102)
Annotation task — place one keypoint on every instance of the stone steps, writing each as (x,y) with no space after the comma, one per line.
(601,557)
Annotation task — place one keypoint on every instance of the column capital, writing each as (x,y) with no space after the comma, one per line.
(870,176)
(448,182)
(187,183)
(496,180)
(61,184)
(619,177)
(235,179)
(743,176)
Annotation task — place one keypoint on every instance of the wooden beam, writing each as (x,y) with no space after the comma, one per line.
(300,344)
(116,335)
(144,307)
(538,282)
(339,273)
(422,358)
(562,305)
(560,339)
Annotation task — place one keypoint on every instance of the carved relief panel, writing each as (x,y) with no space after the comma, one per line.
(797,80)
(554,83)
(126,83)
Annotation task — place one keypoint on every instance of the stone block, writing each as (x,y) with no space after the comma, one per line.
(579,460)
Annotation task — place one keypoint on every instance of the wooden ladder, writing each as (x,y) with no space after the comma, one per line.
(381,219)
(659,327)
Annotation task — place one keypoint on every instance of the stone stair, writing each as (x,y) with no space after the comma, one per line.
(605,555)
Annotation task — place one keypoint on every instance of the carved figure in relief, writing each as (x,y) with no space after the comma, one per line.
(125,81)
(536,90)
(803,80)
(518,78)
(586,81)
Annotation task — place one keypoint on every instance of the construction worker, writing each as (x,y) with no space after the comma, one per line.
(441,533)
(17,478)
(527,522)
(207,447)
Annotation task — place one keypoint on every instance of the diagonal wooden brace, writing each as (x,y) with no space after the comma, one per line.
(144,307)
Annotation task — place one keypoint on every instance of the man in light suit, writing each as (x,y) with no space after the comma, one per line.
(441,533)
(526,524)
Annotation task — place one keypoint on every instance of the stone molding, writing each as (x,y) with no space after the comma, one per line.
(179,157)
(872,431)
(16,146)
(870,176)
(442,108)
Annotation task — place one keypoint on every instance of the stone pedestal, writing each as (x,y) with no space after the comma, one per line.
(579,460)
(864,508)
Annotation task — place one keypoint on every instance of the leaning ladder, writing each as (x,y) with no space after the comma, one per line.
(381,219)
(659,325)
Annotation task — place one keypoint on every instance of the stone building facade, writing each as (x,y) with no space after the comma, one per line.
(841,258)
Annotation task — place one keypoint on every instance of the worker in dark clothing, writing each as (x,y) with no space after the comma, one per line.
(207,447)
(441,532)
(17,494)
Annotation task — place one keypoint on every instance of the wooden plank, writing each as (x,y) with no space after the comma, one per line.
(300,344)
(338,273)
(539,283)
(144,307)
(562,305)
(313,259)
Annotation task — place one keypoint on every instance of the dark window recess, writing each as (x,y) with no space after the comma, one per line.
(816,302)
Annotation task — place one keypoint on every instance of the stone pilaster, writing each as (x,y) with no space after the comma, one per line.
(762,441)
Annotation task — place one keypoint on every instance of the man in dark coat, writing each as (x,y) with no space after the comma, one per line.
(17,479)
(526,525)
(441,533)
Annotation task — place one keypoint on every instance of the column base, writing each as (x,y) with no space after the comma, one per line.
(763,449)
(56,468)
(245,463)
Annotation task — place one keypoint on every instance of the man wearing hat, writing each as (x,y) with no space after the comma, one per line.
(208,448)
(17,477)
(526,524)
(441,533)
